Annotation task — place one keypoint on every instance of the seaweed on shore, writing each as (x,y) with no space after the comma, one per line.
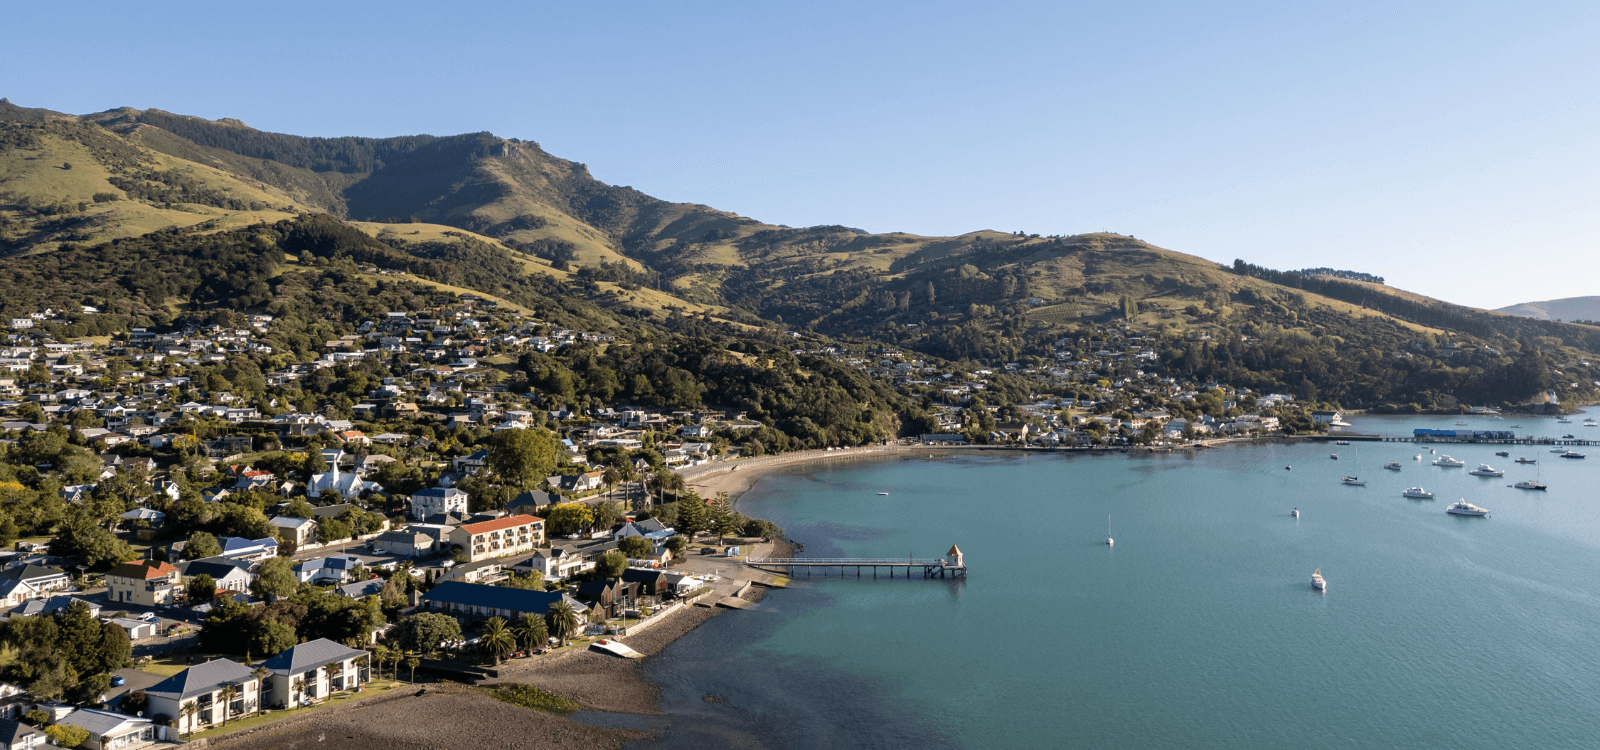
(537,699)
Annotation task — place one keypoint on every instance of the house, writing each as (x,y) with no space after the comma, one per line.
(151,583)
(15,735)
(151,517)
(484,571)
(650,582)
(322,571)
(30,581)
(314,670)
(249,550)
(608,597)
(531,502)
(362,589)
(109,730)
(554,564)
(649,528)
(54,604)
(300,531)
(404,542)
(578,483)
(498,538)
(230,574)
(203,685)
(137,628)
(438,500)
(475,601)
(346,485)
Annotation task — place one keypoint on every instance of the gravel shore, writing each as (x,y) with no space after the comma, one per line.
(603,682)
(448,717)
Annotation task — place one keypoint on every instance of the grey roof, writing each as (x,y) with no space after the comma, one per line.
(60,603)
(310,655)
(99,722)
(12,731)
(31,572)
(289,522)
(361,589)
(216,567)
(498,597)
(202,678)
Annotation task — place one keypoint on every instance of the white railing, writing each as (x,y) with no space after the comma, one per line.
(843,561)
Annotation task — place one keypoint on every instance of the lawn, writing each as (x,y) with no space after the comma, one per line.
(374,687)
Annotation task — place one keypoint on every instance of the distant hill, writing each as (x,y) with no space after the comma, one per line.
(1571,308)
(506,218)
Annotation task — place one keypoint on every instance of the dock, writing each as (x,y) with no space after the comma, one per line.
(953,565)
(1551,442)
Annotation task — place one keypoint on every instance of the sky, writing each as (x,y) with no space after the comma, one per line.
(1450,147)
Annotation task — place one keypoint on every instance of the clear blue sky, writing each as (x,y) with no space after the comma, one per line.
(1449,146)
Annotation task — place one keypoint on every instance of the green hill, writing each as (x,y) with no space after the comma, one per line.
(504,217)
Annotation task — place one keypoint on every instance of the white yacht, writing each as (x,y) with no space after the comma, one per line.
(1354,481)
(1530,486)
(1590,423)
(1572,454)
(1318,582)
(1392,466)
(1464,508)
(1417,493)
(1448,462)
(1485,470)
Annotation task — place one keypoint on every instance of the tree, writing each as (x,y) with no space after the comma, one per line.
(200,545)
(563,621)
(498,638)
(636,547)
(605,516)
(412,662)
(691,516)
(423,632)
(723,521)
(567,518)
(188,710)
(201,588)
(677,545)
(297,687)
(67,735)
(611,564)
(271,637)
(523,458)
(381,654)
(299,508)
(227,694)
(533,632)
(275,579)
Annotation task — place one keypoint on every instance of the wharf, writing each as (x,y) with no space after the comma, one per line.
(952,566)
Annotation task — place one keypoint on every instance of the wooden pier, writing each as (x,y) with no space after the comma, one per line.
(952,566)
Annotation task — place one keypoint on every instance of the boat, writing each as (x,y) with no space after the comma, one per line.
(1515,426)
(1333,456)
(1530,486)
(1109,540)
(1485,470)
(613,647)
(1417,493)
(1526,460)
(1295,512)
(1568,436)
(1503,454)
(1288,468)
(1318,582)
(1464,508)
(1341,442)
(1590,423)
(1572,454)
(1392,466)
(1558,450)
(1354,481)
(883,493)
(1462,424)
(1448,462)
(1563,420)
(1417,457)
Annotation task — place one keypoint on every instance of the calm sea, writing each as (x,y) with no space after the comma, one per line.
(1199,629)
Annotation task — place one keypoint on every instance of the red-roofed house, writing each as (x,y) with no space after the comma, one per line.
(499,537)
(147,582)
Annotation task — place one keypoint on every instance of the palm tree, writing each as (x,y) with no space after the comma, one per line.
(260,673)
(611,477)
(297,687)
(532,631)
(412,662)
(381,654)
(498,638)
(188,710)
(563,621)
(228,693)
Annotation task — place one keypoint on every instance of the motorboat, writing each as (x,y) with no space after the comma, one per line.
(1485,470)
(1461,424)
(1109,540)
(1448,462)
(1333,456)
(1525,460)
(883,493)
(1569,436)
(1354,481)
(1341,442)
(1563,420)
(1558,450)
(1464,508)
(1572,454)
(1590,423)
(1530,486)
(1417,457)
(1417,493)
(1318,582)
(1515,426)
(1295,512)
(1392,466)
(1503,454)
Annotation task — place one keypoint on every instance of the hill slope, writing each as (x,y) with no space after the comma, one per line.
(1570,308)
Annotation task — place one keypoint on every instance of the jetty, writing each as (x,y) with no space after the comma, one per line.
(952,565)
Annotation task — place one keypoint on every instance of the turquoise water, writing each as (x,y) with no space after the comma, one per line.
(1199,629)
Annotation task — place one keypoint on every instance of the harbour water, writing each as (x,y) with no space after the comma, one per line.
(1199,629)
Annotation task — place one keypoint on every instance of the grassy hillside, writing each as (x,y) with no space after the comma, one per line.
(1571,308)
